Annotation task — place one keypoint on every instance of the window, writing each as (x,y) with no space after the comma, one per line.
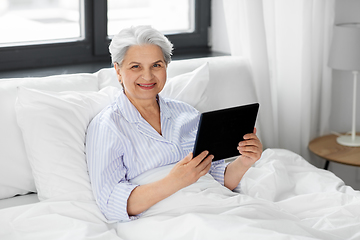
(171,17)
(29,22)
(42,33)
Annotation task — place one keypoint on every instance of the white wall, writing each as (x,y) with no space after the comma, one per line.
(341,112)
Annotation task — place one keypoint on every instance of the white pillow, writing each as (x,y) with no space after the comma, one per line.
(188,87)
(15,172)
(53,126)
(107,77)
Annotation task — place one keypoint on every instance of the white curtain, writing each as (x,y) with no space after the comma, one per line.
(286,43)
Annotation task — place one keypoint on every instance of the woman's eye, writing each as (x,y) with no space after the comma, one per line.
(156,65)
(135,66)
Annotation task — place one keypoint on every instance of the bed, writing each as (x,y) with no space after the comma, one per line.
(45,190)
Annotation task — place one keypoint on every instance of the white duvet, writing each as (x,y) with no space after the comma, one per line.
(282,197)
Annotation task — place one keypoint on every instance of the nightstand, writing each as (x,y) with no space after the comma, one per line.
(327,148)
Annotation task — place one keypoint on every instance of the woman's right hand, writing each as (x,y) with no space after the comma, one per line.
(185,172)
(189,170)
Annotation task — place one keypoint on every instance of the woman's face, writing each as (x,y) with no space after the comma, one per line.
(143,72)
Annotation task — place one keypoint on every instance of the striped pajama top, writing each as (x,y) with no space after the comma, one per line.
(121,144)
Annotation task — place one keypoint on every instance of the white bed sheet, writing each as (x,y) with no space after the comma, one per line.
(283,197)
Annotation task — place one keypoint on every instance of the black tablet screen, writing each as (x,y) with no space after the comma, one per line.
(220,131)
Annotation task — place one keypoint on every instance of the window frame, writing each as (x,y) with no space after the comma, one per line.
(94,47)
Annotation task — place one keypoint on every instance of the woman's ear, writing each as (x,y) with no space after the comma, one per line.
(117,69)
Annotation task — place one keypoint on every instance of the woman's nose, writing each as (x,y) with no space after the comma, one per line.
(147,75)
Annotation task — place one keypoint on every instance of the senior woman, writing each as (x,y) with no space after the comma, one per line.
(141,131)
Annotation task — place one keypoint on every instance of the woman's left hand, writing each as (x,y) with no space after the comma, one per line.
(250,149)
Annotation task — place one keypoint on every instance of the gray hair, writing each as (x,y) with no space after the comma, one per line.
(139,35)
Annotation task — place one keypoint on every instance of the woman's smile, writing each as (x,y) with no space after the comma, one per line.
(146,86)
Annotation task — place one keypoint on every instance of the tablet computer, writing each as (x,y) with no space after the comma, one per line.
(220,131)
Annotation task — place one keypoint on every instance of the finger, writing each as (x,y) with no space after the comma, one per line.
(249,149)
(205,170)
(252,142)
(186,159)
(197,160)
(205,165)
(205,162)
(254,130)
(250,146)
(250,136)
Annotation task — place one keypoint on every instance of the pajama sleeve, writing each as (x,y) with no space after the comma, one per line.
(217,170)
(108,174)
